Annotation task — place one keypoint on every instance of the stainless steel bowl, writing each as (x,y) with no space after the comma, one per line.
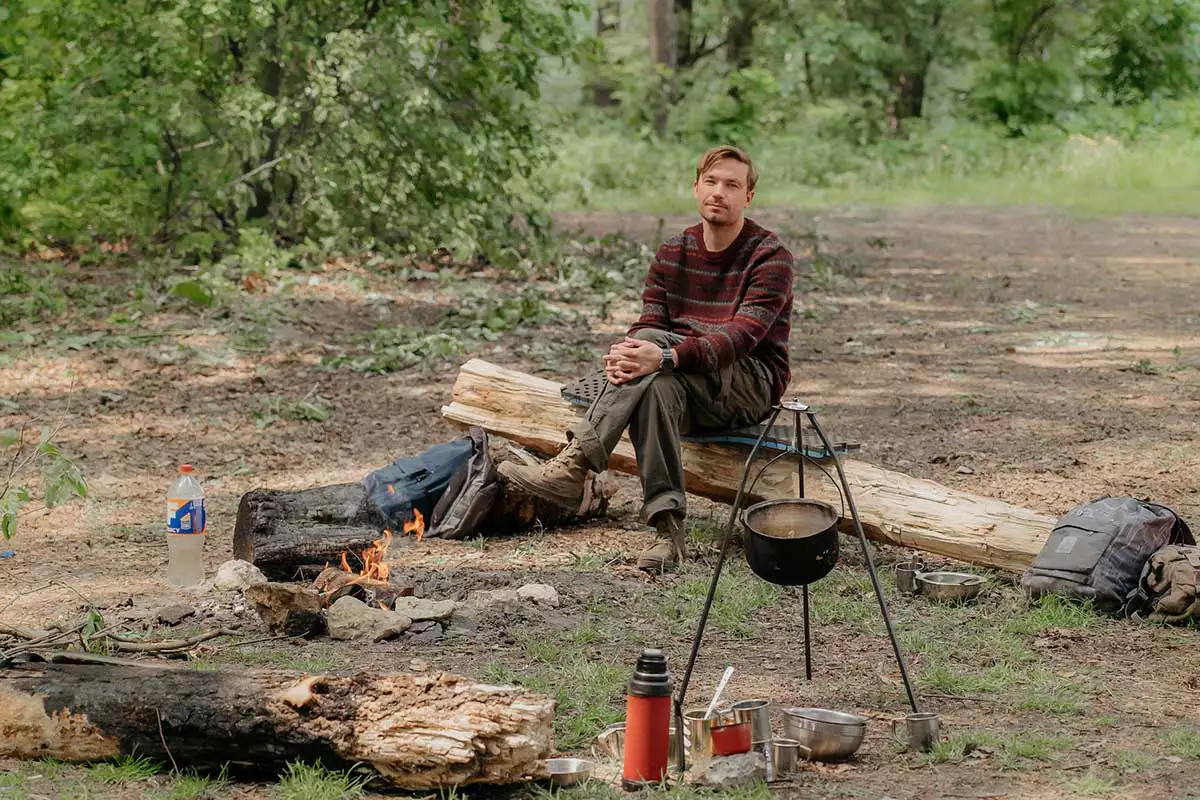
(568,771)
(825,735)
(949,586)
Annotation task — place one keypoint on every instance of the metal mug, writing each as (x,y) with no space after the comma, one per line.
(921,730)
(697,731)
(785,757)
(906,577)
(758,714)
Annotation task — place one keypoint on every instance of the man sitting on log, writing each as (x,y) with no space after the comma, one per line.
(709,353)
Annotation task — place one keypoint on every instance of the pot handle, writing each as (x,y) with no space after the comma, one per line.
(806,749)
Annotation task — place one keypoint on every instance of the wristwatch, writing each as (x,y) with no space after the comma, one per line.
(668,361)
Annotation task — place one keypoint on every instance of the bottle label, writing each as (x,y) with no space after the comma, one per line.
(185,516)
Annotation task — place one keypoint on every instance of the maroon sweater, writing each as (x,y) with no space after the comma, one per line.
(730,305)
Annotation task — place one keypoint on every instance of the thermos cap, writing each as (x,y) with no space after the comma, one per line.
(650,677)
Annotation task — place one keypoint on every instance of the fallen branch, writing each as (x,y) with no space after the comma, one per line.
(170,644)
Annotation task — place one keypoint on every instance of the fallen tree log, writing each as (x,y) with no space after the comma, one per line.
(895,508)
(419,731)
(295,535)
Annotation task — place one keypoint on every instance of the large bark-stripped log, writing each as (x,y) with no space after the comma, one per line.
(419,731)
(894,507)
(294,535)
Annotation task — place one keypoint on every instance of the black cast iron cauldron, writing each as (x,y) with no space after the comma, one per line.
(791,542)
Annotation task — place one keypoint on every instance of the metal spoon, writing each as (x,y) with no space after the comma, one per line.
(720,688)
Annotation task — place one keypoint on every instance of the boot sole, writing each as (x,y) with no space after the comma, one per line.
(568,503)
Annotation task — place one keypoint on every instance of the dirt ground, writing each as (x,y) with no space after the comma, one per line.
(1023,355)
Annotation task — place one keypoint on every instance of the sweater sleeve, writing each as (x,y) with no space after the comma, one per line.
(767,294)
(654,297)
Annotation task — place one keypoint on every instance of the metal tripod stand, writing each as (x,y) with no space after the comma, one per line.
(800,411)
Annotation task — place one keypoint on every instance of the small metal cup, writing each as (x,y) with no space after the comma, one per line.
(921,731)
(906,577)
(612,741)
(697,729)
(758,714)
(785,757)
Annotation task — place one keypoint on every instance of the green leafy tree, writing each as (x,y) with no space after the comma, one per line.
(329,123)
(1148,48)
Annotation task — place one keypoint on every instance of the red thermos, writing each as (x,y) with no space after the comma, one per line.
(648,722)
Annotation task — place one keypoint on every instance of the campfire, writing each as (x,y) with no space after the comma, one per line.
(371,583)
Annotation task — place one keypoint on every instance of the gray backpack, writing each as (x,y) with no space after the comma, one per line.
(1097,550)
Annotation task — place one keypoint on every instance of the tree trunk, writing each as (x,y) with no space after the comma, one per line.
(740,42)
(295,535)
(419,731)
(608,18)
(683,32)
(893,507)
(664,59)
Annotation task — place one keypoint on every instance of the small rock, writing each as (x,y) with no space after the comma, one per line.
(733,772)
(424,633)
(350,618)
(286,608)
(419,665)
(965,470)
(1173,759)
(419,609)
(173,615)
(541,593)
(236,575)
(494,599)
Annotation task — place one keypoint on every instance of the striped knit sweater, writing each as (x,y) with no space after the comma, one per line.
(730,305)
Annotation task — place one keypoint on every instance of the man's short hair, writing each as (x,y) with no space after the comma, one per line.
(709,160)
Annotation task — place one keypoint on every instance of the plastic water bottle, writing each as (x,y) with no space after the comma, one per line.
(185,530)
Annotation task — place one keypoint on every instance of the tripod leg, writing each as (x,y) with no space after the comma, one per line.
(807,644)
(866,549)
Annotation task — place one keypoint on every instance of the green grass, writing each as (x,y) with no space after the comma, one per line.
(738,605)
(127,768)
(952,163)
(1183,741)
(1053,611)
(1092,785)
(957,746)
(302,781)
(312,657)
(192,786)
(1133,761)
(589,691)
(1021,748)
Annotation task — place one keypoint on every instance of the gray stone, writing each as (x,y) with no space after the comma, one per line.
(424,633)
(351,618)
(236,575)
(541,593)
(733,772)
(173,615)
(493,600)
(419,609)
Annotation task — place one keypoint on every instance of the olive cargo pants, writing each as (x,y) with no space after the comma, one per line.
(658,408)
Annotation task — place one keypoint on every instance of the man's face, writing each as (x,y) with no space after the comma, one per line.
(722,193)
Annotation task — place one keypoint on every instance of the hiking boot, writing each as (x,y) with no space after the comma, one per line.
(559,480)
(666,553)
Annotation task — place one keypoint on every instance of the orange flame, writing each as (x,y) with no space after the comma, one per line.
(374,558)
(416,525)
